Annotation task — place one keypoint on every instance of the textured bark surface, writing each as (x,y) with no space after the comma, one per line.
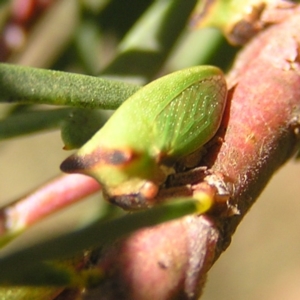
(260,132)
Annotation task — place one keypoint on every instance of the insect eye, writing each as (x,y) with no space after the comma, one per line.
(116,157)
(100,156)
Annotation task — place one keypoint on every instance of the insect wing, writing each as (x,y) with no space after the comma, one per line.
(192,118)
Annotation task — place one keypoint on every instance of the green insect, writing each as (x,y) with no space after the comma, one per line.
(165,121)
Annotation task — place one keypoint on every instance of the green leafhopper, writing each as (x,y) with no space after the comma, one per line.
(163,122)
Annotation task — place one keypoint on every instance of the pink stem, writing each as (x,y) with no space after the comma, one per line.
(53,196)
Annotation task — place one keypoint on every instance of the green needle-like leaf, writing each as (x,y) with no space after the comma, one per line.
(30,121)
(37,86)
(97,233)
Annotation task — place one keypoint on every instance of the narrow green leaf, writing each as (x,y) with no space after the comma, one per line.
(28,293)
(30,121)
(20,84)
(97,233)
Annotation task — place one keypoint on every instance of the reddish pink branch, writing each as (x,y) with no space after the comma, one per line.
(264,117)
(260,132)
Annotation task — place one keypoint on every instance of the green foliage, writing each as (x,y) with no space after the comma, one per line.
(103,230)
